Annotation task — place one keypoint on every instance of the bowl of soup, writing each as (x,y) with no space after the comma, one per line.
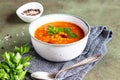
(59,37)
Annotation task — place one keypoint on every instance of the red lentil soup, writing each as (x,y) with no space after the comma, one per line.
(59,33)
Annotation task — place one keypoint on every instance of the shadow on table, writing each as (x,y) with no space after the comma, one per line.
(13,19)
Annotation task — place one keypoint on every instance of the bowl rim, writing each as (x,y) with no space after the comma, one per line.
(68,44)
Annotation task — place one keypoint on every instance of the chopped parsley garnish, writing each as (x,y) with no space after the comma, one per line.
(55,30)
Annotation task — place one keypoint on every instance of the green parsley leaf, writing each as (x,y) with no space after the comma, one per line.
(67,30)
(60,29)
(19,67)
(22,49)
(52,30)
(5,66)
(17,58)
(25,61)
(72,35)
(22,75)
(6,57)
(3,75)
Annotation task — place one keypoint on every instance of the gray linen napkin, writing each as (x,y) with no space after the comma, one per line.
(97,41)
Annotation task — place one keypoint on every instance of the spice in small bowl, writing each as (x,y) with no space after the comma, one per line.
(30,11)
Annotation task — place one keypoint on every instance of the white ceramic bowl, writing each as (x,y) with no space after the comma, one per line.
(30,5)
(59,52)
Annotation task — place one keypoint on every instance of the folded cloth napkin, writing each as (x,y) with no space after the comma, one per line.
(98,38)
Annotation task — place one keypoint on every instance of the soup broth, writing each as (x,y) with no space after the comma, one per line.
(59,33)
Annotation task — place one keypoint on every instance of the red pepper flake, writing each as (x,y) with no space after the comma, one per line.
(31,12)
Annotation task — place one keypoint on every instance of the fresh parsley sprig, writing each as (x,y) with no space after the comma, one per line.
(55,30)
(13,64)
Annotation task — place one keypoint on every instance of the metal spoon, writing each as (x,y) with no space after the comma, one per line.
(51,76)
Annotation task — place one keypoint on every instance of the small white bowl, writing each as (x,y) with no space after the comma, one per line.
(30,5)
(59,52)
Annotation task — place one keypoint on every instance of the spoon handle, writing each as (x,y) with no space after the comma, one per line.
(85,61)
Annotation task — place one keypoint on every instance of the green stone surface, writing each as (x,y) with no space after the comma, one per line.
(95,12)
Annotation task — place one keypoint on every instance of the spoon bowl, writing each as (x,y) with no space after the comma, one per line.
(51,76)
(44,76)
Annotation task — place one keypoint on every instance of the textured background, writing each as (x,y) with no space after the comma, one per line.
(95,12)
